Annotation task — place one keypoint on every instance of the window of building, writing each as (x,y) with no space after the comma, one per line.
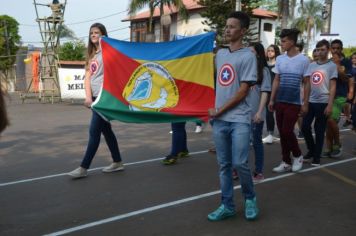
(267,27)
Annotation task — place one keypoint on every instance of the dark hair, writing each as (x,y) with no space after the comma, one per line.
(276,49)
(323,42)
(261,60)
(353,54)
(300,46)
(337,41)
(291,34)
(91,47)
(242,17)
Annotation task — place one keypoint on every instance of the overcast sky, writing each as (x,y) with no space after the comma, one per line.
(82,13)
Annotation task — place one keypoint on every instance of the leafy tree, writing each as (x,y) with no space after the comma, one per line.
(9,41)
(136,5)
(217,11)
(72,51)
(310,20)
(348,51)
(66,32)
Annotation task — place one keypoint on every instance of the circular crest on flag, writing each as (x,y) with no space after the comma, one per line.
(94,66)
(317,77)
(151,88)
(226,75)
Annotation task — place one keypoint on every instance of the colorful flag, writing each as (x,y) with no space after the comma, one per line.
(157,82)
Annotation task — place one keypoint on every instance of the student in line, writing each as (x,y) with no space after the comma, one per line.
(93,82)
(236,73)
(323,75)
(290,70)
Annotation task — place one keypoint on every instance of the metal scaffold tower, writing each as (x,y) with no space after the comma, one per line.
(50,28)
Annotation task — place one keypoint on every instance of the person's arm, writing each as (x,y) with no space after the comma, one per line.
(233,102)
(263,101)
(351,86)
(306,87)
(4,122)
(332,91)
(87,86)
(275,86)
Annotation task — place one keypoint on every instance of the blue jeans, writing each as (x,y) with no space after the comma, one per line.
(232,141)
(179,138)
(258,146)
(316,111)
(97,126)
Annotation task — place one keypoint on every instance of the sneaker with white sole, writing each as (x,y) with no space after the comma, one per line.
(283,167)
(297,163)
(80,172)
(251,209)
(115,166)
(268,139)
(198,129)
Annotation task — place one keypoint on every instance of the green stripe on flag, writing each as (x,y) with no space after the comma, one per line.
(113,109)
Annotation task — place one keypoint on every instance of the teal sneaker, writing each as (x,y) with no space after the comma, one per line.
(251,210)
(221,213)
(183,154)
(170,160)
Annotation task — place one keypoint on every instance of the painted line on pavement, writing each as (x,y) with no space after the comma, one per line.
(340,176)
(90,170)
(181,201)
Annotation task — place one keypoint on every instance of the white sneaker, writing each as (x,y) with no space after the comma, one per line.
(115,166)
(268,139)
(198,129)
(297,163)
(80,172)
(283,167)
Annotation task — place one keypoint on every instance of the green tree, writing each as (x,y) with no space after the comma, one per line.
(72,51)
(9,44)
(136,5)
(66,32)
(217,11)
(310,20)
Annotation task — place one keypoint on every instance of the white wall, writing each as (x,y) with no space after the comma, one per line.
(193,27)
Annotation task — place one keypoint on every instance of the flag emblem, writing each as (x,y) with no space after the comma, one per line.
(151,88)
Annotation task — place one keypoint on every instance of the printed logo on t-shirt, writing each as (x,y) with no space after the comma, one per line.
(226,75)
(317,77)
(94,66)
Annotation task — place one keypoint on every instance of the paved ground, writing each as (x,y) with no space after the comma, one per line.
(45,141)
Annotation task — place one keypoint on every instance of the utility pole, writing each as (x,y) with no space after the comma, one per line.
(326,14)
(6,35)
(238,5)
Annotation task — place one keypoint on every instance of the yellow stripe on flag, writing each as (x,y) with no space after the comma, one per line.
(191,69)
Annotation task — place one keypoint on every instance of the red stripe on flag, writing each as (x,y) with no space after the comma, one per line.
(118,69)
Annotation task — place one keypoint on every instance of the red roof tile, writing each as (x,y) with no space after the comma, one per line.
(193,5)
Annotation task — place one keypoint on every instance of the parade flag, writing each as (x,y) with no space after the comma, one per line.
(157,82)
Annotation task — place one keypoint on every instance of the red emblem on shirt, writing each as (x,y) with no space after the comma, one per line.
(317,77)
(226,75)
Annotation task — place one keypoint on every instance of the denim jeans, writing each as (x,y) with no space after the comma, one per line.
(97,126)
(232,149)
(258,146)
(179,138)
(316,111)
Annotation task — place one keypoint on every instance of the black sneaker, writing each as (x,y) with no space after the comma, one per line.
(307,158)
(300,135)
(315,163)
(169,160)
(347,123)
